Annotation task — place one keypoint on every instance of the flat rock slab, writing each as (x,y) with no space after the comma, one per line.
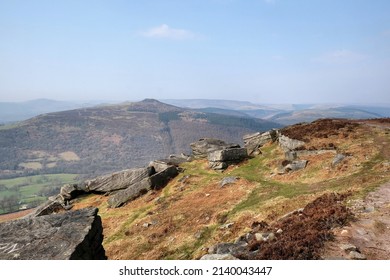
(129,194)
(71,235)
(119,180)
(203,147)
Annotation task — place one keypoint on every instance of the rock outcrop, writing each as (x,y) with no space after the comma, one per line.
(203,147)
(220,159)
(156,181)
(73,235)
(131,193)
(288,144)
(161,179)
(118,180)
(253,142)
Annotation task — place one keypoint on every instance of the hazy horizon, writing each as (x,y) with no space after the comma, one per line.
(261,51)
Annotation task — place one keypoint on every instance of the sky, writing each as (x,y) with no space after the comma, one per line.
(263,51)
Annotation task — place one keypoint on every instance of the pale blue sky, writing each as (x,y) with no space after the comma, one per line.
(264,51)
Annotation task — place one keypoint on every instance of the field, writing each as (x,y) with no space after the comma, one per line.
(31,190)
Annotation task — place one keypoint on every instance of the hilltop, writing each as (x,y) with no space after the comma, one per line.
(97,140)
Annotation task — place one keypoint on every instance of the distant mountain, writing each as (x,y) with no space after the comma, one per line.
(18,111)
(310,115)
(103,139)
(286,114)
(213,103)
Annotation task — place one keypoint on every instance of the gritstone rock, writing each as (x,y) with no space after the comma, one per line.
(118,180)
(252,142)
(338,159)
(296,165)
(73,235)
(203,147)
(228,180)
(70,191)
(288,144)
(218,257)
(222,158)
(132,192)
(160,179)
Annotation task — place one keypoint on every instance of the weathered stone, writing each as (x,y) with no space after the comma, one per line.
(228,155)
(348,247)
(226,226)
(132,192)
(253,142)
(203,147)
(160,179)
(288,144)
(66,236)
(118,180)
(215,257)
(338,159)
(218,165)
(227,248)
(263,237)
(228,180)
(296,165)
(48,207)
(259,237)
(70,191)
(159,165)
(356,256)
(175,160)
(290,155)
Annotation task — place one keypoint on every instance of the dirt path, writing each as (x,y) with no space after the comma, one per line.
(370,233)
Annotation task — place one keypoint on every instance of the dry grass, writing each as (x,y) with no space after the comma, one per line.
(182,220)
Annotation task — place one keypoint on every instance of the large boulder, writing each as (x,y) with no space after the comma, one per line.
(288,144)
(253,142)
(160,179)
(73,235)
(203,147)
(292,166)
(132,192)
(118,180)
(175,160)
(222,158)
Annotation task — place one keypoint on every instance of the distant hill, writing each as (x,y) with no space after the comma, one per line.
(286,114)
(18,111)
(309,115)
(103,139)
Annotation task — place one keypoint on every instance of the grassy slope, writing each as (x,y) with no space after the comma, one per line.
(31,185)
(185,218)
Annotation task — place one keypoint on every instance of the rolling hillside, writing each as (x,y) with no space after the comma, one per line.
(99,140)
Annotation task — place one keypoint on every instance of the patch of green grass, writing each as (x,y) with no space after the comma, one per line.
(28,189)
(39,180)
(266,191)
